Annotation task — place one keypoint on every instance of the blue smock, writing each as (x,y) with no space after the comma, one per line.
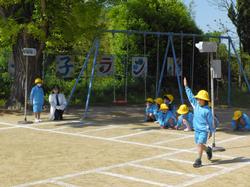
(246,119)
(188,117)
(202,119)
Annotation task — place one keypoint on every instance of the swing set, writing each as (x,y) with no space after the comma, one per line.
(94,50)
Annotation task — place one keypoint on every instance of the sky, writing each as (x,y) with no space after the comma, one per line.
(205,14)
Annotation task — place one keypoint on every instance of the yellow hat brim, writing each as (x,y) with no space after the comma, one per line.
(236,117)
(205,99)
(182,112)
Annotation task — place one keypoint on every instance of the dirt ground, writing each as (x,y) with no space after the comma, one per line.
(115,147)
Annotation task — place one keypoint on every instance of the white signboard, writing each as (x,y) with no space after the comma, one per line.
(64,66)
(105,66)
(139,66)
(206,47)
(29,51)
(216,65)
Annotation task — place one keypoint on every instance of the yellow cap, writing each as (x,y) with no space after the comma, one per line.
(158,100)
(183,109)
(38,80)
(237,115)
(170,97)
(164,107)
(150,100)
(202,94)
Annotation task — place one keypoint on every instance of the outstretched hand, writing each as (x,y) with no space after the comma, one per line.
(185,81)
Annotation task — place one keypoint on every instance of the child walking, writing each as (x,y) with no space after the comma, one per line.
(37,99)
(202,122)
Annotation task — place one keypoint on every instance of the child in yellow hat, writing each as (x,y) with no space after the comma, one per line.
(158,101)
(37,99)
(169,101)
(202,122)
(240,121)
(149,111)
(166,118)
(185,118)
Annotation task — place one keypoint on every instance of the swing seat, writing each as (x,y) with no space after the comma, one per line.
(120,102)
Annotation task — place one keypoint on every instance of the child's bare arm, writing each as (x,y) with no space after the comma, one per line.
(185,82)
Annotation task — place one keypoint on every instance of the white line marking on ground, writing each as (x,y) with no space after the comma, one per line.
(189,162)
(212,175)
(95,170)
(59,122)
(60,128)
(163,170)
(130,135)
(99,129)
(132,178)
(60,183)
(96,137)
(231,139)
(124,141)
(169,132)
(173,140)
(7,128)
(100,169)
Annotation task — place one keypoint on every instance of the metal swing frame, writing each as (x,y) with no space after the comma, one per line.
(170,42)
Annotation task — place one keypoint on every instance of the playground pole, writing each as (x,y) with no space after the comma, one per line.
(91,78)
(81,72)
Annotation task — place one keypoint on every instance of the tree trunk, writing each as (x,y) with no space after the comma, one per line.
(34,68)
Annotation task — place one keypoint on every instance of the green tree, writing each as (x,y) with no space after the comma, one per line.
(58,25)
(151,15)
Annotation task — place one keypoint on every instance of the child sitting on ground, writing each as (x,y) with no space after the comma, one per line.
(168,100)
(185,119)
(166,118)
(158,102)
(149,111)
(202,122)
(240,121)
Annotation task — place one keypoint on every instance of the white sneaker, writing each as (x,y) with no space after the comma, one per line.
(37,120)
(156,122)
(187,129)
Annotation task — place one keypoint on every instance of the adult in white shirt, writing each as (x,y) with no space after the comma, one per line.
(57,104)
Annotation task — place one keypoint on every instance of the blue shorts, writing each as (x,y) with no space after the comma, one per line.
(201,137)
(37,108)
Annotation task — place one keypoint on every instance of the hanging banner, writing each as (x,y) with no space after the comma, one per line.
(64,66)
(139,66)
(171,68)
(105,66)
(11,66)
